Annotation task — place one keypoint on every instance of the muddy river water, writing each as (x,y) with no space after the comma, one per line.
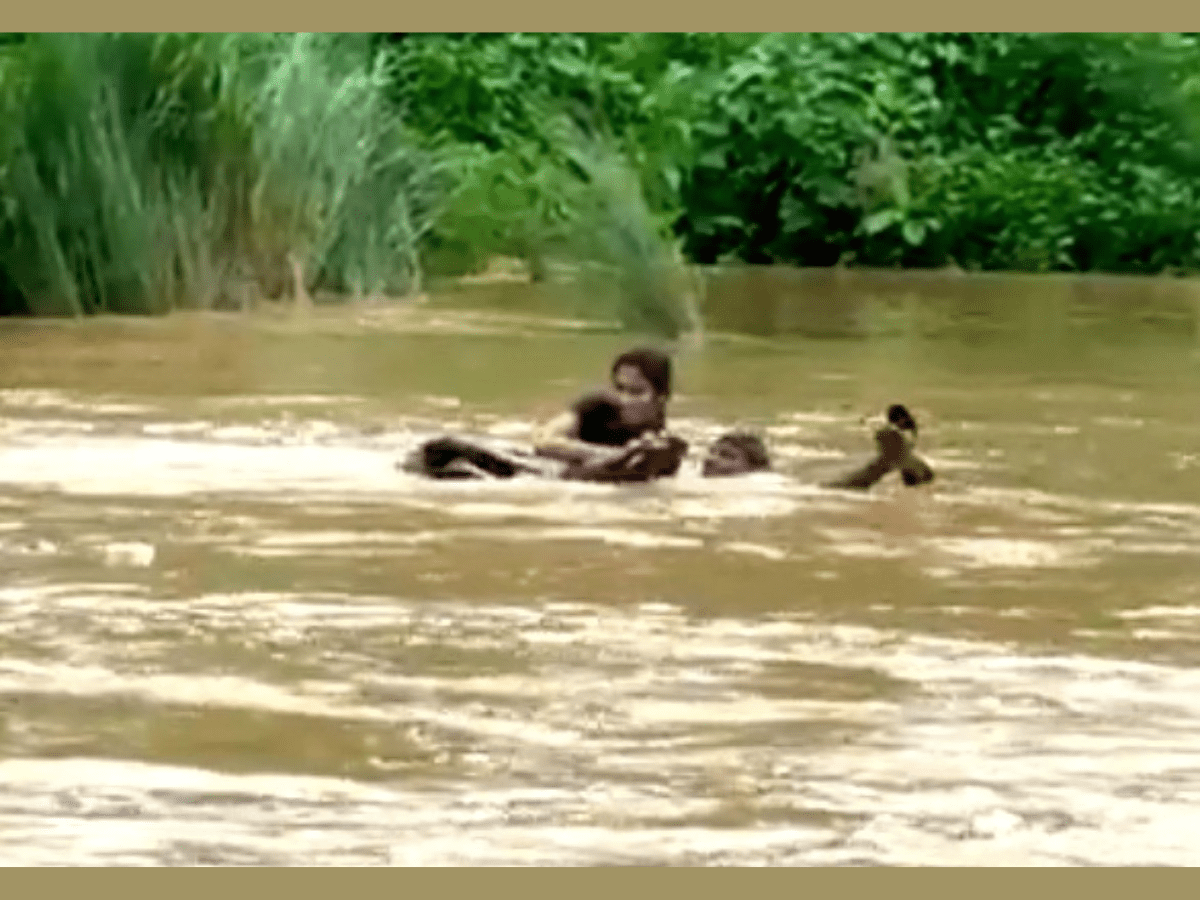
(231,633)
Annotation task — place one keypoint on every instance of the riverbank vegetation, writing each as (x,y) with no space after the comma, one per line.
(142,172)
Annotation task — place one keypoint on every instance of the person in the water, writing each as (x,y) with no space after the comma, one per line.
(616,435)
(895,445)
(740,453)
(733,453)
(619,435)
(640,459)
(589,437)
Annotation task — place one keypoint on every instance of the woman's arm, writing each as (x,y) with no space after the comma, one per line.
(559,439)
(895,452)
(642,459)
(891,446)
(608,466)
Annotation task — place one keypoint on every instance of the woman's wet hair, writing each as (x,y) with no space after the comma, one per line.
(751,447)
(653,364)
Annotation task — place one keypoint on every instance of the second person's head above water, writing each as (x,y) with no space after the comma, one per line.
(736,453)
(641,380)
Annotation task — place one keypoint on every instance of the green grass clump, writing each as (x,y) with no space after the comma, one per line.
(141,173)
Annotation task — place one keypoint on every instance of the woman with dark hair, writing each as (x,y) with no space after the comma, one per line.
(590,434)
(614,435)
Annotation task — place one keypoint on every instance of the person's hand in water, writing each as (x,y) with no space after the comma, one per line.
(614,462)
(642,458)
(634,452)
(895,445)
(651,440)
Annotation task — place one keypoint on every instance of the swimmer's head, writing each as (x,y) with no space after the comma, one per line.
(736,453)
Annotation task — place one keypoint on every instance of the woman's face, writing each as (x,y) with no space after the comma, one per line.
(640,405)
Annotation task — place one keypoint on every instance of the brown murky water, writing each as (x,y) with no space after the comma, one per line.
(231,633)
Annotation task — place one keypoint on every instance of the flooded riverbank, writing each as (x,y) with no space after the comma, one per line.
(232,633)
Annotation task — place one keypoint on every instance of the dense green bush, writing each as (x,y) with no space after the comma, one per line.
(142,172)
(1020,151)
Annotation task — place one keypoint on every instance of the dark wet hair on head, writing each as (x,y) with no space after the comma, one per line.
(899,416)
(653,364)
(751,447)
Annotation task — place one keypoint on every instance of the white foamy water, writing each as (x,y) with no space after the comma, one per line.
(620,735)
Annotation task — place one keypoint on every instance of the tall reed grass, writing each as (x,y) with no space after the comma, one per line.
(141,173)
(339,187)
(571,195)
(631,247)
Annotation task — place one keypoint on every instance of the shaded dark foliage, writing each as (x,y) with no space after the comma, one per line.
(992,151)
